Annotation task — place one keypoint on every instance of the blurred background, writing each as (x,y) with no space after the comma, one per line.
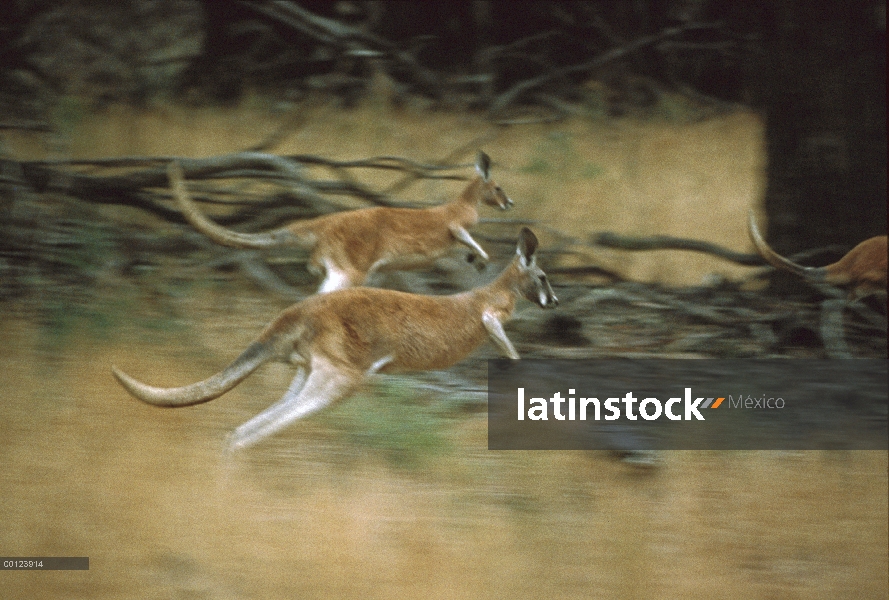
(636,119)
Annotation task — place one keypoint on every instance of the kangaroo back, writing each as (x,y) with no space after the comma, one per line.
(864,265)
(862,269)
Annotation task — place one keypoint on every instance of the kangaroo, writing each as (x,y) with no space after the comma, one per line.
(862,270)
(336,340)
(348,246)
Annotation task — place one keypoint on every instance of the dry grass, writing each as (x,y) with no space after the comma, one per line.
(147,495)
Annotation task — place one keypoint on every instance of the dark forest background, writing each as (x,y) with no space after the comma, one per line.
(815,71)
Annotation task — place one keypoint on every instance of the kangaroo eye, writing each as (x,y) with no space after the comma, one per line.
(543,279)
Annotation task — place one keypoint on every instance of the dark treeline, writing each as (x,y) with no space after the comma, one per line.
(816,72)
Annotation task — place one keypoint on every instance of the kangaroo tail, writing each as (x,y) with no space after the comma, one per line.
(250,359)
(778,261)
(282,236)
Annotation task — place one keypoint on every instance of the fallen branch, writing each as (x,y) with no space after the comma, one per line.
(609,239)
(25,125)
(665,242)
(145,184)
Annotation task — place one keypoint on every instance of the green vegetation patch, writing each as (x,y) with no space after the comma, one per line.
(556,154)
(405,425)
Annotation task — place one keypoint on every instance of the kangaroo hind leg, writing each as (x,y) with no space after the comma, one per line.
(324,385)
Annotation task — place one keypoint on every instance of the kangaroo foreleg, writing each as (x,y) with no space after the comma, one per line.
(462,236)
(498,335)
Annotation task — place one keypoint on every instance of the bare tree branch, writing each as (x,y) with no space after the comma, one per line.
(512,94)
(26,125)
(146,186)
(665,242)
(355,40)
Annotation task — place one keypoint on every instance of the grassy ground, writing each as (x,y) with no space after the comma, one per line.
(393,493)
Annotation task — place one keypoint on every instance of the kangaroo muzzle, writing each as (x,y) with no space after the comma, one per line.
(546,298)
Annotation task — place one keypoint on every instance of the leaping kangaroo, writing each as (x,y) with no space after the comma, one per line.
(337,340)
(348,246)
(862,269)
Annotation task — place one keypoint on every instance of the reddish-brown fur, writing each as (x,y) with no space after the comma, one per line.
(340,338)
(864,267)
(360,326)
(349,245)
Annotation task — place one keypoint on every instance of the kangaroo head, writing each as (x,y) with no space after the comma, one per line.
(491,193)
(532,280)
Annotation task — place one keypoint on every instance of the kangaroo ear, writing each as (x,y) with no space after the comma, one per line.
(483,165)
(527,244)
